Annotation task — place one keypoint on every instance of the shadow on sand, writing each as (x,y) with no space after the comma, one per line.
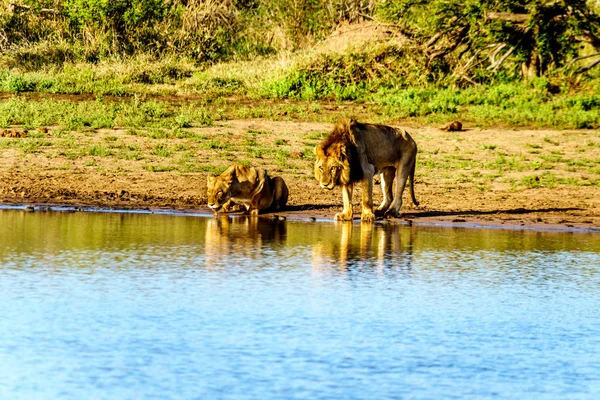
(515,211)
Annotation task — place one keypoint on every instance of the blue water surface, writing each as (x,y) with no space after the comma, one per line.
(122,306)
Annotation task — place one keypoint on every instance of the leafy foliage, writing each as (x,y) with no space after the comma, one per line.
(472,39)
(448,42)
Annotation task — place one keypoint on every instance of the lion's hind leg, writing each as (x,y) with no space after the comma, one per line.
(402,173)
(280,193)
(387,181)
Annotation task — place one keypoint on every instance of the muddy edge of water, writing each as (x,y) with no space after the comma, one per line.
(321,216)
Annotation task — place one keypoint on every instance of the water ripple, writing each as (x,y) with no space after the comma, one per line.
(152,306)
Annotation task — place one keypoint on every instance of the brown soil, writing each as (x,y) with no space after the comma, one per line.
(360,37)
(450,189)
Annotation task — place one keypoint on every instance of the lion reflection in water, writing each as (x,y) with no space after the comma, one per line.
(241,236)
(372,248)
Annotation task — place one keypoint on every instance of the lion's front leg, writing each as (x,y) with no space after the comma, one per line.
(346,214)
(229,206)
(367,193)
(367,201)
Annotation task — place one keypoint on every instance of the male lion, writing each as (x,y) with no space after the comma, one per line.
(250,187)
(354,152)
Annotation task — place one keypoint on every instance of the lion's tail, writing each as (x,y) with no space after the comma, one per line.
(412,183)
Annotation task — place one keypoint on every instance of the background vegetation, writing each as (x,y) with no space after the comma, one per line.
(517,62)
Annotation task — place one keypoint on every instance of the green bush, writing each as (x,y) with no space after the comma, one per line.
(125,25)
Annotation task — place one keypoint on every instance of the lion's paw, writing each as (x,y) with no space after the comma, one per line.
(379,212)
(367,216)
(343,216)
(392,214)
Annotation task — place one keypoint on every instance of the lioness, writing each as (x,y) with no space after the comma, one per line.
(250,187)
(354,152)
(454,126)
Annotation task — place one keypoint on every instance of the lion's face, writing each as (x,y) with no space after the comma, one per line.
(329,166)
(218,192)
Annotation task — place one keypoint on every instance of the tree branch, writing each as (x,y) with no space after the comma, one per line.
(589,66)
(433,40)
(460,36)
(573,61)
(505,16)
(496,65)
(495,52)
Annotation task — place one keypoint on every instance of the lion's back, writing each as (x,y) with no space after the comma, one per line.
(382,143)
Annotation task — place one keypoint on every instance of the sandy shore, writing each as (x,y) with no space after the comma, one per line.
(481,177)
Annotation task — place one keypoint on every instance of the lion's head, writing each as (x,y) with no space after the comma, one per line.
(336,160)
(218,190)
(331,166)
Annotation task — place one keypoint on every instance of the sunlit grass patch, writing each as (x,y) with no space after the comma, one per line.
(131,155)
(308,154)
(551,141)
(503,162)
(213,169)
(254,152)
(250,141)
(158,168)
(162,150)
(315,136)
(551,158)
(282,157)
(99,150)
(36,135)
(28,146)
(215,144)
(546,180)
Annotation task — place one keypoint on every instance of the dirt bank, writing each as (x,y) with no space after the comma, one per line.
(498,177)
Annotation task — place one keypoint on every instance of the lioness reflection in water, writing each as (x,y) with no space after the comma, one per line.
(377,246)
(240,236)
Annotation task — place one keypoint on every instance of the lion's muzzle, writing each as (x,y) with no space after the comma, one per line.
(328,186)
(215,207)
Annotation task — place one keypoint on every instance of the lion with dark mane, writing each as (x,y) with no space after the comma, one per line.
(354,152)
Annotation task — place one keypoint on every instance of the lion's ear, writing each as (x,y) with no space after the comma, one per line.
(227,177)
(319,152)
(252,174)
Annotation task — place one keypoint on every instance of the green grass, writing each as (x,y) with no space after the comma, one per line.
(159,168)
(549,180)
(33,145)
(489,147)
(132,155)
(254,152)
(515,104)
(99,150)
(162,150)
(282,157)
(214,144)
(549,140)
